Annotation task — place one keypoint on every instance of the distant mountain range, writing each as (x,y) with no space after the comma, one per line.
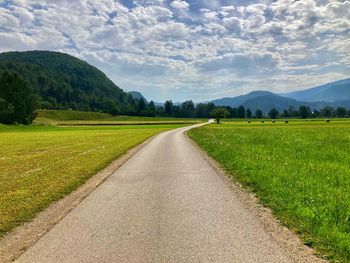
(335,94)
(331,92)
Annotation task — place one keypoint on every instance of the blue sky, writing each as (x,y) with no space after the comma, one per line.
(199,49)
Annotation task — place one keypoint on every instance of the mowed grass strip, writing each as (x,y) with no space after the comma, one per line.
(70,117)
(301,171)
(39,165)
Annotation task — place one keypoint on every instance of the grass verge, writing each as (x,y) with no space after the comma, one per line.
(299,170)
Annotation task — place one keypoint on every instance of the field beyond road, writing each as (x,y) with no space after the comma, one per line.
(70,117)
(42,164)
(301,170)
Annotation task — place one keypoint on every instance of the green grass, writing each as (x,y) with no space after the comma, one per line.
(69,117)
(41,164)
(301,170)
(290,120)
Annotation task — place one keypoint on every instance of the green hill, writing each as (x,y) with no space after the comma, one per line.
(137,95)
(63,81)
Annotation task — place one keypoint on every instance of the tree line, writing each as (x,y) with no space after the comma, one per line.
(305,112)
(18,103)
(204,110)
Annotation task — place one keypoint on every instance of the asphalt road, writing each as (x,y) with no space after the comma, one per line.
(165,204)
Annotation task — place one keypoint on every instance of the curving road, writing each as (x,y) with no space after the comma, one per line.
(165,204)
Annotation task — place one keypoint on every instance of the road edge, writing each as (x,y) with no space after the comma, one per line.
(284,236)
(17,241)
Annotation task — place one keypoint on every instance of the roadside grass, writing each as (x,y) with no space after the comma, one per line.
(300,170)
(41,164)
(70,117)
(290,120)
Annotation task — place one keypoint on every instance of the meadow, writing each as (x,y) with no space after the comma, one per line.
(300,169)
(68,117)
(41,164)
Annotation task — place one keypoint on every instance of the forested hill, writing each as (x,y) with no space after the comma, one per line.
(63,81)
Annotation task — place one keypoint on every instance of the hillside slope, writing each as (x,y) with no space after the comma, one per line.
(330,92)
(137,95)
(268,101)
(63,81)
(239,100)
(262,100)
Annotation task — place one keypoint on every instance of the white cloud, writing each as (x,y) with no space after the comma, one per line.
(174,50)
(233,23)
(180,4)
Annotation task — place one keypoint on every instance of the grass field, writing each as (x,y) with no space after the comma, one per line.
(67,117)
(301,170)
(41,164)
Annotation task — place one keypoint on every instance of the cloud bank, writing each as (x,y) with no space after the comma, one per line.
(180,49)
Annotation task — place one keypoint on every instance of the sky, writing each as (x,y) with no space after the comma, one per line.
(190,49)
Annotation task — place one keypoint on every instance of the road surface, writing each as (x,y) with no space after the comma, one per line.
(165,204)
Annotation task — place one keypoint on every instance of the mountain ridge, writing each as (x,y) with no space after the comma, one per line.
(337,92)
(329,92)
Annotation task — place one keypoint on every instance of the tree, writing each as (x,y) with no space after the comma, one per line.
(327,111)
(6,112)
(112,108)
(131,107)
(211,106)
(234,113)
(285,114)
(202,110)
(273,113)
(315,113)
(168,107)
(141,106)
(177,111)
(341,112)
(241,112)
(304,112)
(258,114)
(18,101)
(219,113)
(187,109)
(292,112)
(152,109)
(249,113)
